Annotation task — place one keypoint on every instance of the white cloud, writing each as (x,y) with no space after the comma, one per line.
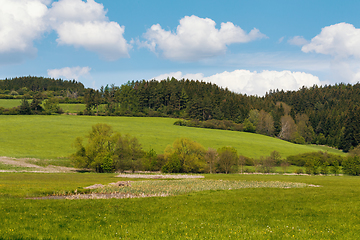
(76,11)
(21,22)
(104,38)
(254,83)
(281,39)
(196,38)
(69,73)
(341,40)
(298,41)
(78,23)
(84,24)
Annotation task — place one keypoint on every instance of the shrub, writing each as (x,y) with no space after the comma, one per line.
(189,153)
(107,150)
(227,159)
(299,171)
(351,165)
(248,170)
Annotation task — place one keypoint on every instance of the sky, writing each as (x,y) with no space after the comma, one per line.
(248,47)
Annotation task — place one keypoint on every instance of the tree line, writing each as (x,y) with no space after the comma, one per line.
(27,87)
(325,115)
(109,151)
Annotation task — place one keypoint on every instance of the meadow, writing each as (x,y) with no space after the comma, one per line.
(201,209)
(51,136)
(330,211)
(67,108)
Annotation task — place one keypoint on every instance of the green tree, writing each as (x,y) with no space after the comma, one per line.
(105,149)
(127,153)
(211,158)
(150,162)
(189,155)
(51,105)
(25,107)
(227,159)
(351,165)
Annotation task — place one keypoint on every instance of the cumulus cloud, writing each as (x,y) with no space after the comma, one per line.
(21,22)
(69,73)
(341,40)
(76,11)
(104,38)
(254,83)
(196,38)
(84,24)
(298,41)
(77,23)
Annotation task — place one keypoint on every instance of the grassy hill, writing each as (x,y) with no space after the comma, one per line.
(51,137)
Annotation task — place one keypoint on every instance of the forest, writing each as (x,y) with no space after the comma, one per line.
(324,115)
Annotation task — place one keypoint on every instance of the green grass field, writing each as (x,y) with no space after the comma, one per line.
(327,212)
(51,137)
(72,108)
(10,103)
(67,108)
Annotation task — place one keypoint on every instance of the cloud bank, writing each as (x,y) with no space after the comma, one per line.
(69,73)
(77,23)
(196,38)
(253,83)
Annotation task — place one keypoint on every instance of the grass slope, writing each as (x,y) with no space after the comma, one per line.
(327,212)
(70,108)
(51,137)
(10,103)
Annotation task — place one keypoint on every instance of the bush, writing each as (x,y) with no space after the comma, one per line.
(227,159)
(351,166)
(299,171)
(248,170)
(184,155)
(107,151)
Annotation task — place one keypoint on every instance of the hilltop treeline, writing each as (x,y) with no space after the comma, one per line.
(326,115)
(22,87)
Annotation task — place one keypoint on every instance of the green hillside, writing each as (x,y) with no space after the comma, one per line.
(51,136)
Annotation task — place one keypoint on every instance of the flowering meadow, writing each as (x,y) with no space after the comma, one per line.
(220,206)
(163,188)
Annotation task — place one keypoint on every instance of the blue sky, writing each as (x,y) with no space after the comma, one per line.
(247,46)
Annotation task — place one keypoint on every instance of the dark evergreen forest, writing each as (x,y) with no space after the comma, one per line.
(31,85)
(325,115)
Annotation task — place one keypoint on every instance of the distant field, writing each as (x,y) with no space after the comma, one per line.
(71,108)
(330,211)
(51,137)
(10,103)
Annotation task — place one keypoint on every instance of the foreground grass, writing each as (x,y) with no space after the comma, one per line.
(51,137)
(327,212)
